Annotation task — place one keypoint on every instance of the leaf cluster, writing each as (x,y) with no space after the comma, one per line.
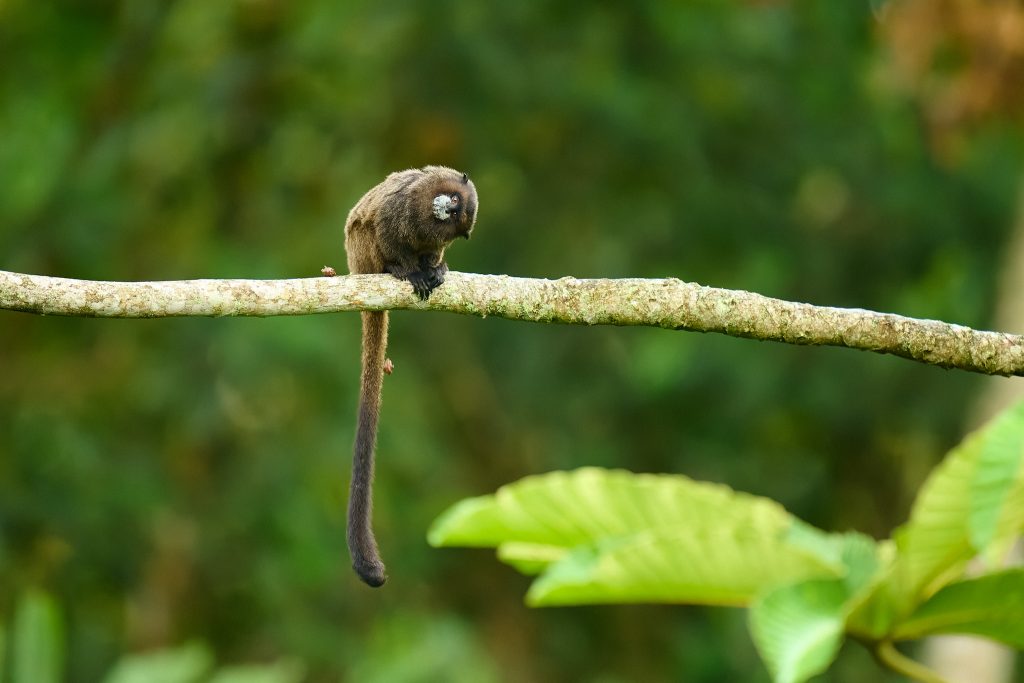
(595,536)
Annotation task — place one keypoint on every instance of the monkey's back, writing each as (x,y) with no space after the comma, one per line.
(367,222)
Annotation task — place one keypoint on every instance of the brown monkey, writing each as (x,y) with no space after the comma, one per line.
(402,226)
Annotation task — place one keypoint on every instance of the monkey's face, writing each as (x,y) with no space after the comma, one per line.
(457,209)
(445,205)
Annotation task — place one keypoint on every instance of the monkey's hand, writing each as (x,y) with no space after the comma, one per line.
(425,280)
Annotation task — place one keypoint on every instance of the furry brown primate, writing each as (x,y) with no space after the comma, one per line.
(402,227)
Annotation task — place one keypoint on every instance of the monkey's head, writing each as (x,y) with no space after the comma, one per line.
(453,201)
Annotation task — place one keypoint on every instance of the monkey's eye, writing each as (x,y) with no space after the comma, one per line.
(455,199)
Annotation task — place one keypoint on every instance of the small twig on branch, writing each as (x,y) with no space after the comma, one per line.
(667,303)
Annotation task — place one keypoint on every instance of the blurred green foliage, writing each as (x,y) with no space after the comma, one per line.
(38,655)
(37,651)
(173,480)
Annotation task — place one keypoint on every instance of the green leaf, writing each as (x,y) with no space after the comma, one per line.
(530,558)
(612,536)
(729,565)
(185,664)
(567,509)
(798,629)
(37,640)
(871,609)
(990,606)
(997,492)
(856,553)
(973,502)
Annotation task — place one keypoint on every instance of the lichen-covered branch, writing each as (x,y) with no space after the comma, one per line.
(668,303)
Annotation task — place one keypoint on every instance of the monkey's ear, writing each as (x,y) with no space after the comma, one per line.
(465,178)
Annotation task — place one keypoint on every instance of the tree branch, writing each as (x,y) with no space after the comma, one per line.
(668,303)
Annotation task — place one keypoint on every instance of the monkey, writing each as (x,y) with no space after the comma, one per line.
(402,227)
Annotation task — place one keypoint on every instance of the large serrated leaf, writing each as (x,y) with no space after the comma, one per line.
(612,536)
(566,509)
(729,565)
(798,629)
(990,606)
(530,558)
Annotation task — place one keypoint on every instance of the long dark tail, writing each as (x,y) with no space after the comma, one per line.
(362,546)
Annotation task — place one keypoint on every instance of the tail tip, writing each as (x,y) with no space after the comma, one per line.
(371,573)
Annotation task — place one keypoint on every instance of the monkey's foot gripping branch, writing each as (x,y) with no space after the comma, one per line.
(667,303)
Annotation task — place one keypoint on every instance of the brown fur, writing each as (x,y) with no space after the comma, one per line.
(393,229)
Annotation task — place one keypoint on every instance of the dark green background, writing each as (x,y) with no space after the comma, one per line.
(186,479)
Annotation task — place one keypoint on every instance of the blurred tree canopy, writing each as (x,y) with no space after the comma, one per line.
(173,480)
